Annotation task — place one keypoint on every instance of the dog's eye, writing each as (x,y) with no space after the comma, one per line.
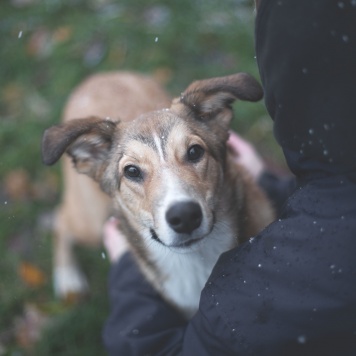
(195,153)
(132,172)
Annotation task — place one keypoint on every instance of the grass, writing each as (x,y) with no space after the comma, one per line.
(47,47)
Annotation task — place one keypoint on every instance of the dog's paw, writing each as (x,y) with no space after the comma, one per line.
(69,283)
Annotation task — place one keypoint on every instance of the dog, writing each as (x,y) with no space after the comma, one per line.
(179,195)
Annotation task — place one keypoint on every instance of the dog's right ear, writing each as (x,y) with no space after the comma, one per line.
(88,141)
(210,101)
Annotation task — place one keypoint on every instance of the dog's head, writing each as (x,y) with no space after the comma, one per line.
(164,169)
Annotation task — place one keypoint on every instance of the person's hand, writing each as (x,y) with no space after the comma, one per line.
(114,240)
(246,155)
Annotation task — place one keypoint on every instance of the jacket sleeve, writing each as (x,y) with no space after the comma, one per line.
(140,322)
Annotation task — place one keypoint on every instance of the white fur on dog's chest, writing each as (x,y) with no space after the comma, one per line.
(188,272)
(188,275)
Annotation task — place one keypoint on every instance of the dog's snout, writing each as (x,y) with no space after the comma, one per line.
(184,217)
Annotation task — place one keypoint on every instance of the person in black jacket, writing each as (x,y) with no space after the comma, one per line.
(292,290)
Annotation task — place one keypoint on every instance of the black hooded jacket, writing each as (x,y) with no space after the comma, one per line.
(292,289)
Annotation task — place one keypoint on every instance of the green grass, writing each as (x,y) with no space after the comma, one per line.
(47,47)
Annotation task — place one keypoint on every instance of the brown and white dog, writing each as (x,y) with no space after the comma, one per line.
(180,197)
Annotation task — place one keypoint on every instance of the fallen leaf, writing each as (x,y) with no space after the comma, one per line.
(62,34)
(40,44)
(17,184)
(12,95)
(45,187)
(163,75)
(31,275)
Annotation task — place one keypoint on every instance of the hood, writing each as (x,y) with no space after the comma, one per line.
(306,53)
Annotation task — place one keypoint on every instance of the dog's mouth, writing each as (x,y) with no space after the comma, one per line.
(184,244)
(155,237)
(188,243)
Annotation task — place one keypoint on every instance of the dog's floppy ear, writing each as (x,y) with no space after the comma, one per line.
(88,141)
(210,100)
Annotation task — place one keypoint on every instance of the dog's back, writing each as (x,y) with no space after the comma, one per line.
(84,208)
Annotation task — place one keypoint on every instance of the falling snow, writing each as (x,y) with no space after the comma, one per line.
(302,339)
(345,38)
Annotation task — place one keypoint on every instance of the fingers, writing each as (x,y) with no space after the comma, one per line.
(246,155)
(239,145)
(114,240)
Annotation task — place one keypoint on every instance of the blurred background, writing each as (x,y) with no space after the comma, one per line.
(48,47)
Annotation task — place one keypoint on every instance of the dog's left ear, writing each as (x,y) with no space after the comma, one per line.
(210,100)
(87,141)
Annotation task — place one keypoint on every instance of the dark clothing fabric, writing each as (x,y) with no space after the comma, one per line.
(291,290)
(278,189)
(140,323)
(306,52)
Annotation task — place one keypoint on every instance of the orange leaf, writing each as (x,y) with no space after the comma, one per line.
(62,34)
(31,275)
(17,184)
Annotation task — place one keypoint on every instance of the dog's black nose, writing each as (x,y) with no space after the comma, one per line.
(184,217)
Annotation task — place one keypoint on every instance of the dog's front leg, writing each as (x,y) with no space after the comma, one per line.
(68,280)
